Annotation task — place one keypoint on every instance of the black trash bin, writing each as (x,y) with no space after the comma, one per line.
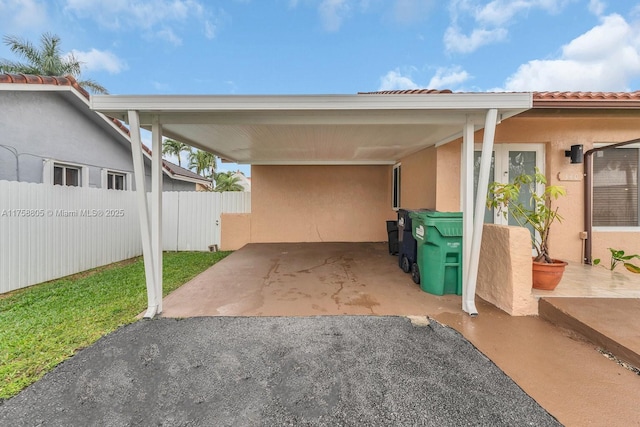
(407,245)
(392,231)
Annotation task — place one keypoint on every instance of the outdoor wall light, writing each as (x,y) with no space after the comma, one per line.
(575,153)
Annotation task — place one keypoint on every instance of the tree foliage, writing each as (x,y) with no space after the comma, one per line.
(45,60)
(203,163)
(227,181)
(540,216)
(175,148)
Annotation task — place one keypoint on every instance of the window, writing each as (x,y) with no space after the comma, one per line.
(66,175)
(615,187)
(116,181)
(395,187)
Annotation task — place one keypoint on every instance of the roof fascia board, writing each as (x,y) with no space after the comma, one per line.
(323,163)
(178,177)
(393,117)
(29,87)
(210,103)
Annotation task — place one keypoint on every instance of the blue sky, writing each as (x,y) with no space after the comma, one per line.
(340,46)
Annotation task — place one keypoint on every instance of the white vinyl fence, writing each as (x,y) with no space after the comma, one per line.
(47,232)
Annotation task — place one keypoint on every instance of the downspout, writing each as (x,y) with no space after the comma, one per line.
(588,195)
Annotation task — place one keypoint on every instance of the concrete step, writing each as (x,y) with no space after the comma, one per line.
(609,323)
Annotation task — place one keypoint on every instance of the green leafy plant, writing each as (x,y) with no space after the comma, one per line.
(540,214)
(617,257)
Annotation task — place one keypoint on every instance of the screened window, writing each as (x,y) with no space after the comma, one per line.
(116,181)
(396,187)
(615,187)
(66,175)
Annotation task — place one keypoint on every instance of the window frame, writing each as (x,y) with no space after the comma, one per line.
(109,174)
(396,186)
(51,165)
(616,228)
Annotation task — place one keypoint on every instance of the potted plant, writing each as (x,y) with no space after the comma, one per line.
(539,214)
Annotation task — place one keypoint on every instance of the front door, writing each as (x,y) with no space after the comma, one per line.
(507,162)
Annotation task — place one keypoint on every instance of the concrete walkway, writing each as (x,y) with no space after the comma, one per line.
(557,367)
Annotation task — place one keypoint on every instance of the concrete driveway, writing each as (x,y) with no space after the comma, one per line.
(266,371)
(306,279)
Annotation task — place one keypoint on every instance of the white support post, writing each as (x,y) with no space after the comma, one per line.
(143,213)
(466,199)
(469,288)
(156,208)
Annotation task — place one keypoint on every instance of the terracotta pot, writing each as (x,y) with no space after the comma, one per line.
(547,276)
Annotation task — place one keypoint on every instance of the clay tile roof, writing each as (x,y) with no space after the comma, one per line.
(43,80)
(586,99)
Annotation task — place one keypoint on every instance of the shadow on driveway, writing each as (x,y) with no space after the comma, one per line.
(244,371)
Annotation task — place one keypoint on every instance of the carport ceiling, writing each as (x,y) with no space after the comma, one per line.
(313,129)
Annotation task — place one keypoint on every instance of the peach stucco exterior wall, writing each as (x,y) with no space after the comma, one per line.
(235,231)
(448,177)
(418,180)
(558,134)
(504,272)
(431,179)
(320,203)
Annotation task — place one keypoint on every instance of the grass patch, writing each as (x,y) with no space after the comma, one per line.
(45,324)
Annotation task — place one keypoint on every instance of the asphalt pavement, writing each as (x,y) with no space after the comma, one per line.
(277,371)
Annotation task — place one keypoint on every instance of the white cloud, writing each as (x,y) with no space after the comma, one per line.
(447,78)
(409,11)
(500,12)
(604,58)
(147,15)
(332,13)
(490,20)
(97,60)
(597,7)
(393,80)
(19,15)
(455,41)
(168,35)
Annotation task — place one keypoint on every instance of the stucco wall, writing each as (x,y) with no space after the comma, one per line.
(235,231)
(504,272)
(35,126)
(431,179)
(40,125)
(558,134)
(320,203)
(418,180)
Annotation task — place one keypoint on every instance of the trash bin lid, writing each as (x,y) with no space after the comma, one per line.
(437,214)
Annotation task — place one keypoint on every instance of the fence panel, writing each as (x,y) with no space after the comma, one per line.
(47,232)
(191,220)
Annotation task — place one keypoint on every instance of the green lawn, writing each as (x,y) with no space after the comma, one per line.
(43,325)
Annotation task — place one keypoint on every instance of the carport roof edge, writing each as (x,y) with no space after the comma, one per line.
(313,129)
(120,104)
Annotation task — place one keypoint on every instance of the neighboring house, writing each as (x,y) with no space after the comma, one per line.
(48,134)
(244,181)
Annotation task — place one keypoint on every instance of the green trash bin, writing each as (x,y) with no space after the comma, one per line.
(438,268)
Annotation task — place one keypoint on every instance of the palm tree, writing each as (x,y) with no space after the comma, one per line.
(175,148)
(227,181)
(47,60)
(203,162)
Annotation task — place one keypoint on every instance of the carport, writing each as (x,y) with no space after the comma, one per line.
(362,129)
